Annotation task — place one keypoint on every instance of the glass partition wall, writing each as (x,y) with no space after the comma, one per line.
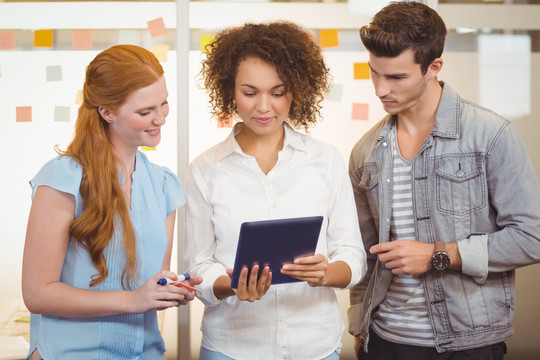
(491,57)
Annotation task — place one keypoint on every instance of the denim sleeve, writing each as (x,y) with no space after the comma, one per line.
(474,257)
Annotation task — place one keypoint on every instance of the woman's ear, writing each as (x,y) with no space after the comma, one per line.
(106,114)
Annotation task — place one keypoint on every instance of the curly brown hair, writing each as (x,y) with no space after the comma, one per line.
(288,47)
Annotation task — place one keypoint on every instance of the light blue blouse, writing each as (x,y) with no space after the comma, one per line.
(155,193)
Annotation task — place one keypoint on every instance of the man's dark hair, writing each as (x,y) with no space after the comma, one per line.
(406,25)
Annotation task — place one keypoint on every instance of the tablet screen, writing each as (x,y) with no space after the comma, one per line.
(275,243)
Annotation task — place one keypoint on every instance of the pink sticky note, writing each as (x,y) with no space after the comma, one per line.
(23,114)
(7,40)
(81,39)
(157,27)
(360,111)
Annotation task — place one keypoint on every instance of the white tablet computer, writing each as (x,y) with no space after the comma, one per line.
(275,243)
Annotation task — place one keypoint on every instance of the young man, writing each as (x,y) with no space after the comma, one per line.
(448,205)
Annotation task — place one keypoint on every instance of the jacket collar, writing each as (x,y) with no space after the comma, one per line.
(447,119)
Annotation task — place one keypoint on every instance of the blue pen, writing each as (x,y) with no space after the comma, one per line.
(165,281)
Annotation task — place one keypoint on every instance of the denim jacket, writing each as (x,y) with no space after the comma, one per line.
(473,184)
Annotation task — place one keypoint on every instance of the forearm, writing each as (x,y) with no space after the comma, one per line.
(63,300)
(222,287)
(338,275)
(455,257)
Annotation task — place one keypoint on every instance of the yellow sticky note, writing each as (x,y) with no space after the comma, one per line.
(205,40)
(360,111)
(329,38)
(43,38)
(148,148)
(79,98)
(7,40)
(81,39)
(23,114)
(25,319)
(361,71)
(157,27)
(161,52)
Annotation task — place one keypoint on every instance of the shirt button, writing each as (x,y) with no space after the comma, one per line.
(460,173)
(384,144)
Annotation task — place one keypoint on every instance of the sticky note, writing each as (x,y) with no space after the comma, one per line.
(61,113)
(336,93)
(23,114)
(329,38)
(128,36)
(81,39)
(361,71)
(79,98)
(43,38)
(205,40)
(148,148)
(54,73)
(360,111)
(7,40)
(157,27)
(161,52)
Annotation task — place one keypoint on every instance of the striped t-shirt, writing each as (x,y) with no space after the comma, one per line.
(402,316)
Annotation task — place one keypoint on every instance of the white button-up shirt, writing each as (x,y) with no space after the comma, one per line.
(225,187)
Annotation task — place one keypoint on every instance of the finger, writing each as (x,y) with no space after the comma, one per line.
(254,275)
(263,280)
(268,282)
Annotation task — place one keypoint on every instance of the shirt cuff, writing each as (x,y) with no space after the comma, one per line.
(357,265)
(205,291)
(474,257)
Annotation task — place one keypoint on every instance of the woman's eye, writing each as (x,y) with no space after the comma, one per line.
(279,95)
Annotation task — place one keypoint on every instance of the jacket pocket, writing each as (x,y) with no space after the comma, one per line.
(461,184)
(369,183)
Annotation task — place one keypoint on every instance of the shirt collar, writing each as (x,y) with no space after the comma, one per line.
(229,146)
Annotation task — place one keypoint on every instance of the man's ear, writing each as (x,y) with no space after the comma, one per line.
(434,68)
(106,114)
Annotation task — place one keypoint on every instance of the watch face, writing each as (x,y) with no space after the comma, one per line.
(440,261)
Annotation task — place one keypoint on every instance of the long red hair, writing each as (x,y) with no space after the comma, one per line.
(111,78)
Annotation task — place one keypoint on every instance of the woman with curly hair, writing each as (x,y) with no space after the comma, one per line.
(100,230)
(273,77)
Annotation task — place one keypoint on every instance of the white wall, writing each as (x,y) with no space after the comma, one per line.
(28,145)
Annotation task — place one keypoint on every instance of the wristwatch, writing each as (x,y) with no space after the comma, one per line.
(440,259)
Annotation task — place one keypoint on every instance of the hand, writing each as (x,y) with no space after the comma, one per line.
(408,257)
(151,295)
(253,289)
(312,269)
